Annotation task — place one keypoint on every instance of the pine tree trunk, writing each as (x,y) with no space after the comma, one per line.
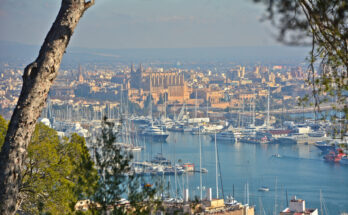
(37,80)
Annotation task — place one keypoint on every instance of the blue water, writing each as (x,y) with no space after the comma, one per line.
(301,171)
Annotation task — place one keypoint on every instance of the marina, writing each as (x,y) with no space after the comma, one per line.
(294,169)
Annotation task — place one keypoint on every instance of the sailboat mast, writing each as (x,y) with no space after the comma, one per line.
(238,124)
(196,106)
(121,101)
(151,101)
(321,203)
(200,164)
(221,184)
(165,107)
(275,197)
(175,179)
(282,121)
(233,190)
(216,170)
(268,101)
(243,114)
(247,186)
(254,98)
(287,200)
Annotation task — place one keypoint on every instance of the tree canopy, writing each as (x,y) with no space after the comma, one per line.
(116,176)
(57,172)
(38,78)
(323,25)
(3,129)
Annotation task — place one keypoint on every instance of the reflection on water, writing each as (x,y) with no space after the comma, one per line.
(300,170)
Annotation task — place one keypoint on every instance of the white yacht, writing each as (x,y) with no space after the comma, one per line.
(155,133)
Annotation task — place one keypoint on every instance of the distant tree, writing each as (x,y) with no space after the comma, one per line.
(323,25)
(112,164)
(116,180)
(38,77)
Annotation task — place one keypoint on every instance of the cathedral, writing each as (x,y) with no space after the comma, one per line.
(171,83)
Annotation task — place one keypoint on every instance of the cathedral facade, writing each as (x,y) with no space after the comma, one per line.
(168,84)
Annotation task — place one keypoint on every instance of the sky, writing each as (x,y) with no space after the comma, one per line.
(122,24)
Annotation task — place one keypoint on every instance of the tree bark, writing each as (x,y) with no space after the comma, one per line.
(37,80)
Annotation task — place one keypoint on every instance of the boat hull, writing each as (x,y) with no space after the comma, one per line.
(284,141)
(325,148)
(344,161)
(156,138)
(221,139)
(250,141)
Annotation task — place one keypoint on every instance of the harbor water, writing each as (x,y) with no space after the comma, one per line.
(299,171)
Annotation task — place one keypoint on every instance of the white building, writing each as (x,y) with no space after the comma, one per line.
(298,207)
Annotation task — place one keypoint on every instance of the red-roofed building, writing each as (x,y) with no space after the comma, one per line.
(298,207)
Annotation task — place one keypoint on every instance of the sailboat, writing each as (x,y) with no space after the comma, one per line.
(216,170)
(263,188)
(200,166)
(129,139)
(201,169)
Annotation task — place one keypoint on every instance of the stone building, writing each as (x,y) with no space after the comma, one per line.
(170,85)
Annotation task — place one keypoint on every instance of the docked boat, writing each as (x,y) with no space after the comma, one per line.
(288,140)
(276,155)
(344,160)
(176,128)
(211,128)
(203,170)
(187,128)
(136,148)
(129,147)
(155,133)
(334,156)
(197,130)
(140,119)
(258,138)
(224,136)
(231,201)
(160,159)
(317,134)
(325,146)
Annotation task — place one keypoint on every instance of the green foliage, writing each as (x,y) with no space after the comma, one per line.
(116,179)
(3,129)
(323,25)
(56,173)
(84,173)
(111,163)
(141,198)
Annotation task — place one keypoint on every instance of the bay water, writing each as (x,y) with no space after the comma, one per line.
(300,171)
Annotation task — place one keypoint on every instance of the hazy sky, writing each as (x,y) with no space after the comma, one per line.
(143,23)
